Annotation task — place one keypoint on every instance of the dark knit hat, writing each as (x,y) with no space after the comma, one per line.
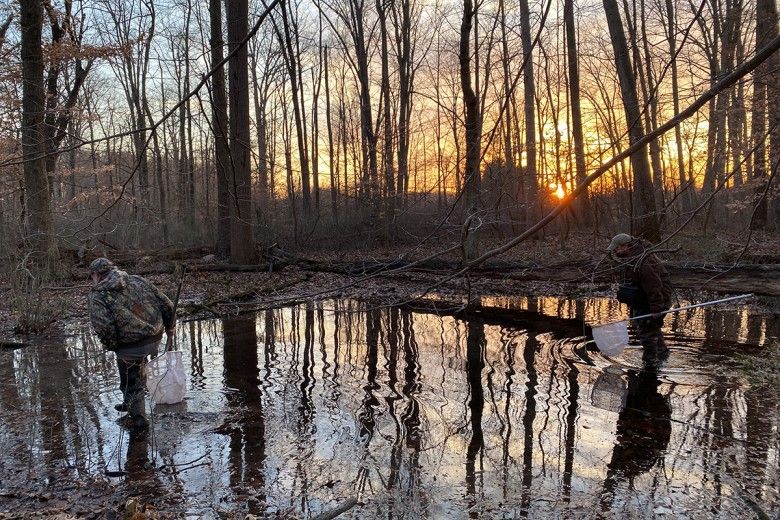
(101,266)
(621,239)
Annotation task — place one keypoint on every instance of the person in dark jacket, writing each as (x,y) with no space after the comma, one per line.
(129,315)
(646,289)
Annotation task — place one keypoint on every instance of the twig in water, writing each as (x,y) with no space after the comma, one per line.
(333,513)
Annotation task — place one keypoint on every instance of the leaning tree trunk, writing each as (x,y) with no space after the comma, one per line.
(645,219)
(242,244)
(37,201)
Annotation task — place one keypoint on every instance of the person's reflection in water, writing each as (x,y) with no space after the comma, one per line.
(643,431)
(137,465)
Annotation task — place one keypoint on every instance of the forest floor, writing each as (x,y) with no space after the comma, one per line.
(577,268)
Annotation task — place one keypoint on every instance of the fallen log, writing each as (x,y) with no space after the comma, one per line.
(234,298)
(169,268)
(259,290)
(492,315)
(333,513)
(763,279)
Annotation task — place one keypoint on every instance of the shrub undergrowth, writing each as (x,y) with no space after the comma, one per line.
(34,307)
(762,369)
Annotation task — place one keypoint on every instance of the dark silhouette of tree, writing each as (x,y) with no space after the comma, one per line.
(645,219)
(242,244)
(38,225)
(219,124)
(473,124)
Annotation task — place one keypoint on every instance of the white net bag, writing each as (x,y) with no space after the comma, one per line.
(166,380)
(611,338)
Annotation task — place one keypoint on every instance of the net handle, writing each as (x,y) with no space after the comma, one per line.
(677,309)
(687,307)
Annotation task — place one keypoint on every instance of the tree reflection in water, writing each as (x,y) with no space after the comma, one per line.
(245,424)
(418,415)
(475,344)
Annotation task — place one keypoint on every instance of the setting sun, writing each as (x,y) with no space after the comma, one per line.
(558,190)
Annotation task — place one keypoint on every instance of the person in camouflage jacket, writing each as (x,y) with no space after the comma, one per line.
(646,289)
(129,315)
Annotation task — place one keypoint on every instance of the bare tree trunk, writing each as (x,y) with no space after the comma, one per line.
(728,34)
(473,124)
(582,205)
(58,118)
(643,199)
(37,202)
(242,244)
(315,130)
(758,124)
(773,101)
(387,146)
(671,33)
(353,17)
(529,87)
(183,159)
(332,152)
(292,61)
(402,12)
(188,115)
(644,76)
(158,170)
(261,131)
(736,117)
(74,138)
(766,97)
(220,129)
(509,156)
(651,102)
(139,99)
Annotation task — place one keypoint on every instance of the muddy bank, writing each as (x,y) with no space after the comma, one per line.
(211,291)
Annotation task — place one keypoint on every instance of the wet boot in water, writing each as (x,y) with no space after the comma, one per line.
(654,351)
(134,423)
(133,402)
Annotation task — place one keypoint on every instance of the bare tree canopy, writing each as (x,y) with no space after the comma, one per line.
(407,117)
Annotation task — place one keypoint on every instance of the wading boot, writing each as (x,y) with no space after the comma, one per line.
(654,351)
(134,423)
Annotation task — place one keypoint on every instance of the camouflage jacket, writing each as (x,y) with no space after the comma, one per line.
(126,309)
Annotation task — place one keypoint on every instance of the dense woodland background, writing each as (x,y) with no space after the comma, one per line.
(336,122)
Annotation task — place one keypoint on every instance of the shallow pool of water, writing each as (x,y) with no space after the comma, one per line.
(297,410)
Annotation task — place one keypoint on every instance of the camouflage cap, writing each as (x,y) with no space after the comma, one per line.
(621,239)
(101,265)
